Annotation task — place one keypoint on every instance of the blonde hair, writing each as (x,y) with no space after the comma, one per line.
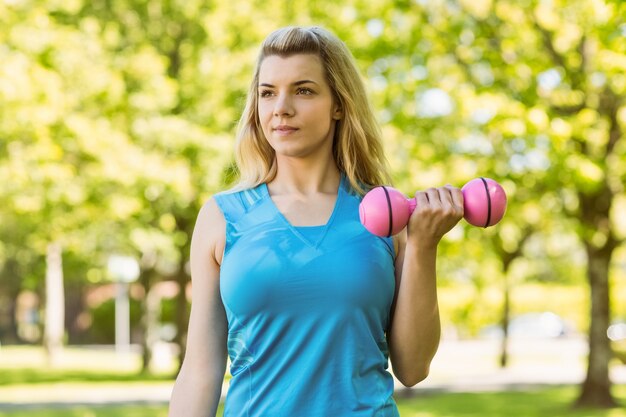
(357,147)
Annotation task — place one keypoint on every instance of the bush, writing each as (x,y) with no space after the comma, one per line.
(102,330)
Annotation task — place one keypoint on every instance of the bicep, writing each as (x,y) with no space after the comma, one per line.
(208,326)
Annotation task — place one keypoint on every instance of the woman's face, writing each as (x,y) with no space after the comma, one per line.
(296,107)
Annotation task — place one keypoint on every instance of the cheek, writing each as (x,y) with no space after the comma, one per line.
(263,110)
(265,116)
(323,121)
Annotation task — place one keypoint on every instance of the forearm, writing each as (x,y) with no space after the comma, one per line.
(195,396)
(416,329)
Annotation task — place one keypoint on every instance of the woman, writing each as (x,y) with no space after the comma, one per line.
(286,281)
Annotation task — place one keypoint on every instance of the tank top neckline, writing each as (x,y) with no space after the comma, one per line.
(298,230)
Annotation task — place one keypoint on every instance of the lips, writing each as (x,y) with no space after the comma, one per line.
(285,128)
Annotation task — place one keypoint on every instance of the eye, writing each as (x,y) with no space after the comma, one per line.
(265,93)
(305,91)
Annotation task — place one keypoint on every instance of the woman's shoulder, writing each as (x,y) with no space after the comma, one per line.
(209,231)
(237,201)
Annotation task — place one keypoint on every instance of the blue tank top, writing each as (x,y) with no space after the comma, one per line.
(307,310)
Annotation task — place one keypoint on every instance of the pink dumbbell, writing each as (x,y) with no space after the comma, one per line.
(385,211)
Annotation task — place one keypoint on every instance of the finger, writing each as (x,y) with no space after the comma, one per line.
(433,197)
(450,209)
(457,196)
(421,198)
(446,197)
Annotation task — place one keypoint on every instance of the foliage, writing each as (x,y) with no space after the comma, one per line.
(102,329)
(117,121)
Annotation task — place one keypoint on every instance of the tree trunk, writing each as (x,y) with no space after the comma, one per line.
(596,390)
(10,288)
(595,209)
(145,322)
(55,304)
(507,259)
(506,312)
(149,320)
(9,333)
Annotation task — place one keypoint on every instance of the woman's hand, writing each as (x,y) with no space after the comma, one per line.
(437,211)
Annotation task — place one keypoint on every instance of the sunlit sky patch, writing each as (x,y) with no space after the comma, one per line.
(434,102)
(549,79)
(482,115)
(375,27)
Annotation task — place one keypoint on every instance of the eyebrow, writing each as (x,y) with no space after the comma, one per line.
(297,83)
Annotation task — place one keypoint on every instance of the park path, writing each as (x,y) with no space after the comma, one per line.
(459,366)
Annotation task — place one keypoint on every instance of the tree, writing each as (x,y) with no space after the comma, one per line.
(561,63)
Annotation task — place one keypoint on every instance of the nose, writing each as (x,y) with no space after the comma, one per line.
(284,106)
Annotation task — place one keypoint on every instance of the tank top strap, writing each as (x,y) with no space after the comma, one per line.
(236,204)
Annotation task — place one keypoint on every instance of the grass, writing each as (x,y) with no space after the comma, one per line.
(28,365)
(551,402)
(24,375)
(38,376)
(127,411)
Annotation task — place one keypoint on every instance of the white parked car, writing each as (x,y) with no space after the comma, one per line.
(540,325)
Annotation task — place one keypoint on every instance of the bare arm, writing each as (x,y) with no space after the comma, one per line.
(415,328)
(198,386)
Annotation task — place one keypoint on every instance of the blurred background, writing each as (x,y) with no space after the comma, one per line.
(117,122)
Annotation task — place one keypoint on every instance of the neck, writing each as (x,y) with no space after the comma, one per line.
(305,177)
